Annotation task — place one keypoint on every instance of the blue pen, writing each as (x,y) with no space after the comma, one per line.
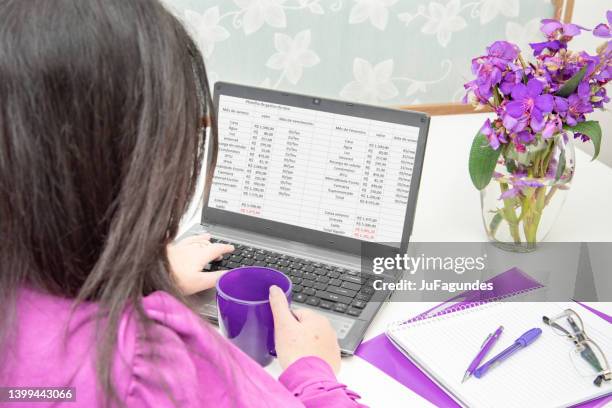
(520,343)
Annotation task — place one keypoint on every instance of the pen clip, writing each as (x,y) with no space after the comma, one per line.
(485,340)
(496,333)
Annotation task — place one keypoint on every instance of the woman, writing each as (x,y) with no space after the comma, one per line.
(101,140)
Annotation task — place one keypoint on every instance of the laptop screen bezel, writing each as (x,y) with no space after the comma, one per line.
(215,216)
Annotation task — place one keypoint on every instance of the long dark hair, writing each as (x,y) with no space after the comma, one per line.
(101,143)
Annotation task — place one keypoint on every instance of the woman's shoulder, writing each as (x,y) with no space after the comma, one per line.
(165,352)
(166,310)
(180,352)
(173,321)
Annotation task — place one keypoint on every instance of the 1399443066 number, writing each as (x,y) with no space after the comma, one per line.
(31,394)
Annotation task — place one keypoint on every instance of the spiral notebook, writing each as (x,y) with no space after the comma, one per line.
(542,375)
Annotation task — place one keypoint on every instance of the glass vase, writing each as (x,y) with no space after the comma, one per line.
(521,203)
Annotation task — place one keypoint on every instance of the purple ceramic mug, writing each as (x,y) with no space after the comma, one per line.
(245,316)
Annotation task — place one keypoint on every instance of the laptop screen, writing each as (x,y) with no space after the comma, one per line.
(328,172)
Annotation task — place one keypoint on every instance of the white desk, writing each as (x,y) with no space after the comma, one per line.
(448,210)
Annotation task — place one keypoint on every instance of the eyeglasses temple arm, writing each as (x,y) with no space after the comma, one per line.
(550,323)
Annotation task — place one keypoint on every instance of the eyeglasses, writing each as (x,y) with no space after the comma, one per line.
(587,356)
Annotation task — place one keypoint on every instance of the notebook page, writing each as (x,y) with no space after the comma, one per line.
(541,375)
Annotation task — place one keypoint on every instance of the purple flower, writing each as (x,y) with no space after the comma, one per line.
(488,131)
(518,186)
(592,61)
(489,69)
(487,75)
(472,88)
(606,73)
(578,105)
(514,124)
(553,63)
(509,80)
(525,103)
(528,100)
(565,69)
(525,137)
(600,98)
(557,33)
(584,90)
(551,127)
(581,136)
(503,51)
(495,136)
(560,104)
(554,46)
(577,108)
(604,30)
(551,28)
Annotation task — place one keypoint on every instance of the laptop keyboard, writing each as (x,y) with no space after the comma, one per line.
(320,285)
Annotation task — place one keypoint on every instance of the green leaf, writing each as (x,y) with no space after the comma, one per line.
(571,84)
(510,166)
(560,165)
(495,222)
(482,161)
(496,96)
(592,129)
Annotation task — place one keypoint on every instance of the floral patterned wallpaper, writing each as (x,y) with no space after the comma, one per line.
(375,51)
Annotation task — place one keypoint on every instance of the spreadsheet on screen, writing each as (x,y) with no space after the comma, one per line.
(339,174)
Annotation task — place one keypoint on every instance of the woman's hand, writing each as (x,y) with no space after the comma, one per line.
(302,333)
(188,257)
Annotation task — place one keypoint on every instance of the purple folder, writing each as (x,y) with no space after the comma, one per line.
(381,353)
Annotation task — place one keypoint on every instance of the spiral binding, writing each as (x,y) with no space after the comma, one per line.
(459,308)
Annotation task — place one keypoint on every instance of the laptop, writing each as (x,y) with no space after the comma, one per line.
(304,185)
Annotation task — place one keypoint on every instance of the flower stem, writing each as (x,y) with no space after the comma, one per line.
(536,200)
(546,159)
(550,195)
(510,215)
(536,204)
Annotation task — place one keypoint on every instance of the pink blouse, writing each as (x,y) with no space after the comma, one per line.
(184,363)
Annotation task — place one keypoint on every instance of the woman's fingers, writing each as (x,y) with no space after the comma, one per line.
(216,251)
(188,258)
(280,308)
